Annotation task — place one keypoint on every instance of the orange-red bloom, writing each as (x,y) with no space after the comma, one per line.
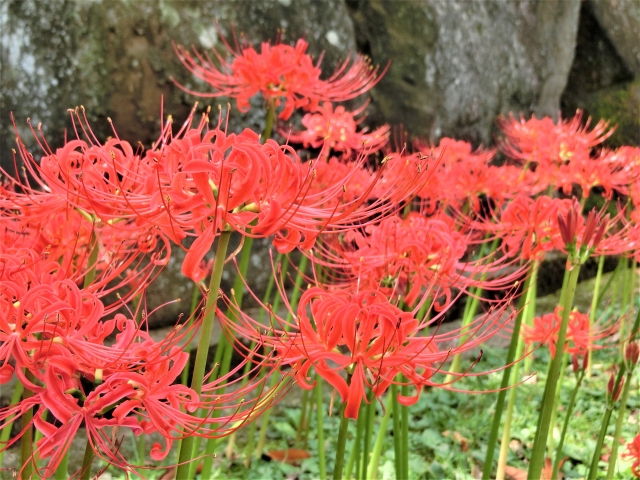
(581,336)
(285,75)
(337,130)
(633,452)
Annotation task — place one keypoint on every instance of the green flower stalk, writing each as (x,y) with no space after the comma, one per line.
(577,256)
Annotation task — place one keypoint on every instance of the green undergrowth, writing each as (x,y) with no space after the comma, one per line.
(449,430)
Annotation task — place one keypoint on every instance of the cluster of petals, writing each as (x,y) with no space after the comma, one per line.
(461,175)
(336,129)
(632,452)
(360,341)
(562,155)
(545,142)
(581,335)
(529,226)
(285,75)
(404,257)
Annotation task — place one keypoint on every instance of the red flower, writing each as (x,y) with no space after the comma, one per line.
(633,452)
(581,336)
(551,144)
(528,226)
(365,337)
(284,75)
(337,130)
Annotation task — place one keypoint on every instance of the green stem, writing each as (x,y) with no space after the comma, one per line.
(556,401)
(268,124)
(264,422)
(207,462)
(6,430)
(63,467)
(340,447)
(593,469)
(186,447)
(531,310)
(405,433)
(594,307)
(26,441)
(548,399)
(87,460)
(93,259)
(238,296)
(565,426)
(320,425)
(506,430)
(184,376)
(355,450)
(372,470)
(297,290)
(370,411)
(595,459)
(397,434)
(303,416)
(502,393)
(619,422)
(470,309)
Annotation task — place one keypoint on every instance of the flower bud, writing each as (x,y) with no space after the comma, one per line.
(612,392)
(632,353)
(577,365)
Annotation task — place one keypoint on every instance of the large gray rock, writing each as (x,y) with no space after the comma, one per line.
(620,19)
(456,65)
(116,58)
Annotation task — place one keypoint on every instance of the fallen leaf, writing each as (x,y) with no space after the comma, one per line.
(515,473)
(291,456)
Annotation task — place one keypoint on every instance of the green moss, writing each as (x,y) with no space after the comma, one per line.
(621,106)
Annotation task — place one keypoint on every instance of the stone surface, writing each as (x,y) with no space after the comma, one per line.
(116,58)
(456,65)
(620,20)
(601,84)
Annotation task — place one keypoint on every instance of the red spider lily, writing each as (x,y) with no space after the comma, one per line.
(204,182)
(405,257)
(633,452)
(365,336)
(546,143)
(528,227)
(581,335)
(283,74)
(609,171)
(337,130)
(461,175)
(329,173)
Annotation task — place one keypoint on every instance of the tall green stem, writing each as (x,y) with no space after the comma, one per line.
(26,441)
(268,124)
(548,399)
(186,447)
(87,460)
(565,426)
(372,469)
(184,376)
(354,456)
(593,470)
(340,447)
(619,422)
(502,393)
(320,424)
(63,466)
(404,410)
(594,307)
(397,434)
(370,411)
